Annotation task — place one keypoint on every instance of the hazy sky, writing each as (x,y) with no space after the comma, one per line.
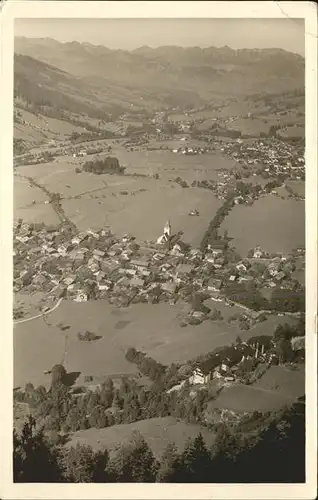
(129,34)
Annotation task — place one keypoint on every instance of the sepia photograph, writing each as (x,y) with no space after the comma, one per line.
(159,249)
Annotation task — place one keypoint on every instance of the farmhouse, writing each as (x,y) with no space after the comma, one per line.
(100,253)
(280,275)
(215,251)
(140,264)
(241,267)
(137,282)
(203,372)
(214,285)
(219,262)
(257,253)
(224,363)
(209,257)
(169,287)
(184,269)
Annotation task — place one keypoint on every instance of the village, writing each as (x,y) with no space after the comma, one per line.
(81,266)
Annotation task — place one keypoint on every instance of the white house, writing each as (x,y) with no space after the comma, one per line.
(214,285)
(241,267)
(257,253)
(215,251)
(199,377)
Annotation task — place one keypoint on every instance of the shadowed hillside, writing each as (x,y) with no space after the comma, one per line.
(199,74)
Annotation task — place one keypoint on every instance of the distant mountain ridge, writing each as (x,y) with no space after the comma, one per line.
(202,71)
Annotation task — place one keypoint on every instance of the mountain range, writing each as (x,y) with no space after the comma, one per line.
(164,76)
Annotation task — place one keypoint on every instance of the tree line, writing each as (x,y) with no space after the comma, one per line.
(282,300)
(222,212)
(62,409)
(275,454)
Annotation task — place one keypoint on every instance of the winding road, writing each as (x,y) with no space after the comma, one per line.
(39,315)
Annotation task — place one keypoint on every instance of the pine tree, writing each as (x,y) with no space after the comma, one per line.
(107,393)
(117,401)
(169,465)
(34,460)
(82,465)
(134,462)
(195,462)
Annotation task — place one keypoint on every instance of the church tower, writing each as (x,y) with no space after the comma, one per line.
(167,229)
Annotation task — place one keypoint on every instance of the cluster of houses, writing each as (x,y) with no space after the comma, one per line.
(231,361)
(96,264)
(275,270)
(274,156)
(191,150)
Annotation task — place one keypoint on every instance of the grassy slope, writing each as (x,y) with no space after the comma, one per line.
(158,432)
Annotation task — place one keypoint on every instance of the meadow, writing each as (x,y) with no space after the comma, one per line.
(276,225)
(36,214)
(288,383)
(238,108)
(158,432)
(250,126)
(298,187)
(292,131)
(24,194)
(37,129)
(154,329)
(170,165)
(143,213)
(249,398)
(279,386)
(31,304)
(128,204)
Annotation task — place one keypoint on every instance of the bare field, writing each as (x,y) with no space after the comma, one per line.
(158,432)
(154,329)
(276,225)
